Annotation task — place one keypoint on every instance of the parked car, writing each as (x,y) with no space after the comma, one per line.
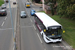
(28,4)
(14,2)
(32,12)
(3,12)
(23,14)
(6,1)
(3,6)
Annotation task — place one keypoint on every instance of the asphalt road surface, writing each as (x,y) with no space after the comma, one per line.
(6,34)
(30,36)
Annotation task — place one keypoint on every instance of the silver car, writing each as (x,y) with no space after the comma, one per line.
(23,14)
(3,6)
(3,12)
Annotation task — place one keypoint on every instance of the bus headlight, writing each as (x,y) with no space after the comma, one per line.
(44,30)
(63,31)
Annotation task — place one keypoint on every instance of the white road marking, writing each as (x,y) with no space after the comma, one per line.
(30,20)
(39,38)
(29,16)
(25,26)
(6,29)
(2,24)
(5,18)
(34,27)
(44,49)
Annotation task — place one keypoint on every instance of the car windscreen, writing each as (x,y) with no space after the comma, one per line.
(23,13)
(2,10)
(27,3)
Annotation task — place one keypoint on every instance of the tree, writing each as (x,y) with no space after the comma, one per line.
(66,8)
(37,1)
(52,3)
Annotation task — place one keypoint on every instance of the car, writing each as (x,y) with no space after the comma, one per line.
(32,12)
(3,6)
(6,1)
(14,2)
(3,12)
(23,14)
(28,4)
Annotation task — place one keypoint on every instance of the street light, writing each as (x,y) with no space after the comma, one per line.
(43,4)
(12,25)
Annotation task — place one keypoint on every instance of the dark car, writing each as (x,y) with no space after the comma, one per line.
(32,12)
(14,2)
(7,1)
(3,12)
(3,6)
(23,14)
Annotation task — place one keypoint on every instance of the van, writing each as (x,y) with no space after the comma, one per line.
(28,4)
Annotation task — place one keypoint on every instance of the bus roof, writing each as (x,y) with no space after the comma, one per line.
(47,21)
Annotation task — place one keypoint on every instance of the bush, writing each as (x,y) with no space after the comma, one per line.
(66,8)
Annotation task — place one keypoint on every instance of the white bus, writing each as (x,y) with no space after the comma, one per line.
(50,30)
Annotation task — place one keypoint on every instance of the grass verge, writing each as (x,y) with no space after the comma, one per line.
(1,2)
(69,26)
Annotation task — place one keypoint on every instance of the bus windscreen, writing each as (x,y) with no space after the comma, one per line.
(54,31)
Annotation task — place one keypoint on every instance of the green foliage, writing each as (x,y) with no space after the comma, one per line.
(37,1)
(47,1)
(66,8)
(69,27)
(71,11)
(40,2)
(52,9)
(32,0)
(52,2)
(1,2)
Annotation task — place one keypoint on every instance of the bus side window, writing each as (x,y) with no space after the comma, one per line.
(35,16)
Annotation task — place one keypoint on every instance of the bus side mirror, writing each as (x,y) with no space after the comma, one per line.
(44,30)
(63,31)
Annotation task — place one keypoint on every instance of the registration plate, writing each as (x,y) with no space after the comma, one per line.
(52,34)
(28,5)
(2,13)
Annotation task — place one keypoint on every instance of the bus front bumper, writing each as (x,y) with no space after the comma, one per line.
(52,40)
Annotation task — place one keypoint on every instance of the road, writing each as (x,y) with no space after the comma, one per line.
(6,34)
(30,36)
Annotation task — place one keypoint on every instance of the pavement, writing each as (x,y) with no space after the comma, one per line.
(37,7)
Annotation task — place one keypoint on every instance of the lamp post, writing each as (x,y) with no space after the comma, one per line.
(12,24)
(43,4)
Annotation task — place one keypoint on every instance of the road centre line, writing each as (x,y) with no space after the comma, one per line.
(29,16)
(44,49)
(34,27)
(39,38)
(25,26)
(5,18)
(30,20)
(6,29)
(2,24)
